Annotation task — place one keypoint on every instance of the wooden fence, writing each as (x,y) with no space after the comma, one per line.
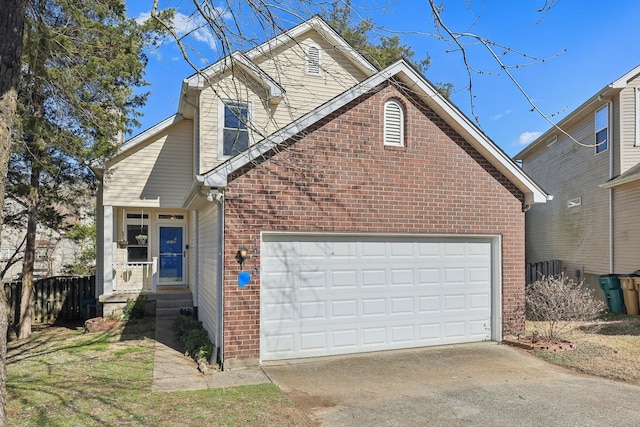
(535,271)
(54,299)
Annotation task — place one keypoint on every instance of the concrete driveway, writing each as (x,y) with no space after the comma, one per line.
(483,384)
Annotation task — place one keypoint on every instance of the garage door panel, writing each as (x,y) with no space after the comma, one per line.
(344,279)
(402,277)
(373,249)
(428,276)
(402,305)
(357,294)
(373,277)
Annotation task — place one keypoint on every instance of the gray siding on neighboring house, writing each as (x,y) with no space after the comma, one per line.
(627,227)
(208,269)
(568,171)
(629,152)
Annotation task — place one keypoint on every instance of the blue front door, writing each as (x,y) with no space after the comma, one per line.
(172,251)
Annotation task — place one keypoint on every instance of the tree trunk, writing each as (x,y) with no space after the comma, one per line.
(24,328)
(12,14)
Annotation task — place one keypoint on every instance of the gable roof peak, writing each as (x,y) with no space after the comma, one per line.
(198,79)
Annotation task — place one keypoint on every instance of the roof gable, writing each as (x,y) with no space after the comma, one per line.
(217,177)
(198,80)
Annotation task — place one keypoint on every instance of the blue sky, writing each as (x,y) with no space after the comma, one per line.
(587,44)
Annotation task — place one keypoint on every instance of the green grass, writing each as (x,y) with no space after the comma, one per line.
(61,377)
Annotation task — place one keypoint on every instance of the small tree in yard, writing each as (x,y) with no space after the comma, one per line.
(556,301)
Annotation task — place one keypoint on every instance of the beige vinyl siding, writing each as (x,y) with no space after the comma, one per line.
(306,92)
(230,88)
(155,173)
(578,236)
(303,93)
(208,270)
(629,152)
(627,228)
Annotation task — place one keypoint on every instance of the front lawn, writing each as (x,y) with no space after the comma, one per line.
(62,377)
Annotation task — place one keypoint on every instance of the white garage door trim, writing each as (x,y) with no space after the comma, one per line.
(403,274)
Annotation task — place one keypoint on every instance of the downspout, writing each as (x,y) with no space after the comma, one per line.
(220,284)
(611,166)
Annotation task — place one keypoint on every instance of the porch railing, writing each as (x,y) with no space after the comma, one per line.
(135,277)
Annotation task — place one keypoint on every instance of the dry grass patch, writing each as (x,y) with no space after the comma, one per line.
(608,348)
(63,377)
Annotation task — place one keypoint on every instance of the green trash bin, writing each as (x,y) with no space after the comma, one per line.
(610,284)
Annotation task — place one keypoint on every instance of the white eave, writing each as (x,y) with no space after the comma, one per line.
(217,177)
(152,131)
(238,59)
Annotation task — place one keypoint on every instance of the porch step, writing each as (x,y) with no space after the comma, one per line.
(168,305)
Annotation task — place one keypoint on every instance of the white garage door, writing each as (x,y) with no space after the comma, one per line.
(326,294)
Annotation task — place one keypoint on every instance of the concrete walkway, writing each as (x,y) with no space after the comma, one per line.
(173,371)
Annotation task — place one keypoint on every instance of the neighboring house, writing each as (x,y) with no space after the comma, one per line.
(53,251)
(373,214)
(594,176)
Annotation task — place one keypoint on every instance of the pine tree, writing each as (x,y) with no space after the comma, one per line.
(82,62)
(382,54)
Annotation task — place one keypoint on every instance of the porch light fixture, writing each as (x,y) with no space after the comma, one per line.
(241,256)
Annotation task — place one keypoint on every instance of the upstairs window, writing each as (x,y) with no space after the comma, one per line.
(235,135)
(602,129)
(313,60)
(393,124)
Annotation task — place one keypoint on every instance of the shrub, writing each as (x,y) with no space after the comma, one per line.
(195,339)
(135,309)
(555,301)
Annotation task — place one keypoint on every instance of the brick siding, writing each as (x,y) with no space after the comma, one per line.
(338,177)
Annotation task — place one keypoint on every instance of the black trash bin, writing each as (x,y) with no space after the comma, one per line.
(610,284)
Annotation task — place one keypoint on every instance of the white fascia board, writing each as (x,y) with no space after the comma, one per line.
(152,131)
(622,82)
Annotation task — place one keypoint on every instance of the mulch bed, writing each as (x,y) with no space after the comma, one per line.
(100,324)
(536,343)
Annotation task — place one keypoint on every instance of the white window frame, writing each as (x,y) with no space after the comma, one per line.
(599,127)
(394,115)
(222,103)
(135,219)
(311,67)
